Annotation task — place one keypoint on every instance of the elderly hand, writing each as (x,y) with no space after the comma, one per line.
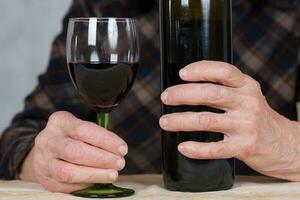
(253,132)
(70,153)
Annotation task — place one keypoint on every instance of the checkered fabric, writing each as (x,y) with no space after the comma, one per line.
(266,46)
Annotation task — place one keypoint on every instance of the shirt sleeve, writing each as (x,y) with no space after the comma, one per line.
(54,92)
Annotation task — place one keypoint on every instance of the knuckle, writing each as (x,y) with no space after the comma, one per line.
(81,131)
(73,150)
(254,104)
(256,85)
(105,141)
(206,122)
(64,174)
(212,152)
(213,92)
(218,151)
(101,160)
(217,93)
(232,73)
(56,117)
(229,72)
(106,161)
(40,141)
(87,178)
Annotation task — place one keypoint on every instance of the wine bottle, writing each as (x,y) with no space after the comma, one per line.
(193,30)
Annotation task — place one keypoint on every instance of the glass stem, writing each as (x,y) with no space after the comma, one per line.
(103,120)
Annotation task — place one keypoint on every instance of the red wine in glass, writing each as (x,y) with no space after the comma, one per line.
(103,85)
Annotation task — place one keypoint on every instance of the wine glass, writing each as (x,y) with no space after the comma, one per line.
(102,57)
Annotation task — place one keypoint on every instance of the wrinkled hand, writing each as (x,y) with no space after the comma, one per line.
(70,153)
(253,132)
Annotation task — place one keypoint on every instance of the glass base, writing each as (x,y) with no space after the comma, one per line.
(104,191)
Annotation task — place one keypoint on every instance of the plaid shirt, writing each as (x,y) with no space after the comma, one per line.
(266,46)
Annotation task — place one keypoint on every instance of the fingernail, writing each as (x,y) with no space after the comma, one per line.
(164,96)
(183,73)
(181,148)
(113,176)
(120,164)
(123,150)
(163,122)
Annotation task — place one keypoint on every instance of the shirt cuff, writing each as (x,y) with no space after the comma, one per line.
(11,164)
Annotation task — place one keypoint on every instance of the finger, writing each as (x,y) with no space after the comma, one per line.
(65,172)
(88,132)
(212,95)
(192,121)
(213,71)
(54,186)
(80,153)
(212,150)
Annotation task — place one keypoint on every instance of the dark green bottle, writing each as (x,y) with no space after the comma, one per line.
(193,30)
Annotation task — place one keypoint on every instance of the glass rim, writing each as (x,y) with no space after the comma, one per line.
(102,19)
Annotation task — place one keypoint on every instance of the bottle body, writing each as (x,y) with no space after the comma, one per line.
(193,30)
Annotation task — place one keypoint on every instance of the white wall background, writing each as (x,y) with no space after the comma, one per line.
(27,28)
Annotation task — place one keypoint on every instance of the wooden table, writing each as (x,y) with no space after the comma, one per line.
(150,187)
